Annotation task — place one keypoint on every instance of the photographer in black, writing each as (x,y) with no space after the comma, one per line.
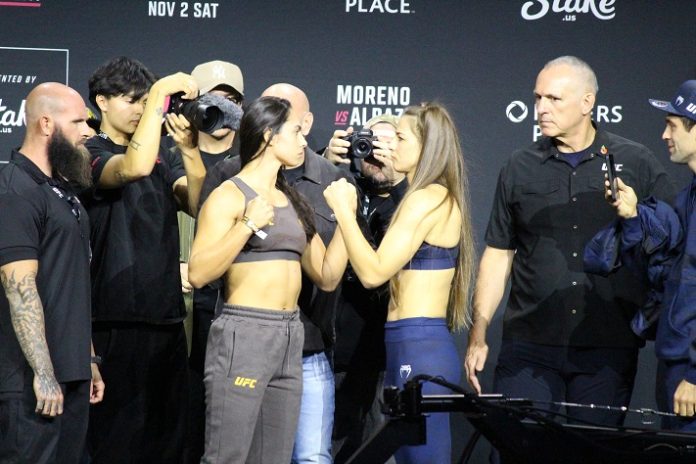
(137,306)
(359,358)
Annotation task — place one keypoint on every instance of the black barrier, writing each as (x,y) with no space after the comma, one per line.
(520,433)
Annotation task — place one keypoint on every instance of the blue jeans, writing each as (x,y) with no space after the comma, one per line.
(313,438)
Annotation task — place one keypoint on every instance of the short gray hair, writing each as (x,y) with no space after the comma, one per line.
(585,72)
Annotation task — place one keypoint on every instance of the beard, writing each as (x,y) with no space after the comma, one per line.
(374,179)
(69,161)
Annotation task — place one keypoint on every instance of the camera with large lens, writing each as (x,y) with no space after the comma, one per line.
(360,143)
(204,117)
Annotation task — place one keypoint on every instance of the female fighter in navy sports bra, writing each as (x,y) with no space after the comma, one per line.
(428,256)
(258,232)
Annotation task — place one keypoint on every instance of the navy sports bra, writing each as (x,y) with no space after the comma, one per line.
(431,258)
(286,239)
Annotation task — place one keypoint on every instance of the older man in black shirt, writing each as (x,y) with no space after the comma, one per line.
(566,334)
(44,268)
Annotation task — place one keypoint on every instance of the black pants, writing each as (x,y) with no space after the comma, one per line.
(602,376)
(358,409)
(144,413)
(27,437)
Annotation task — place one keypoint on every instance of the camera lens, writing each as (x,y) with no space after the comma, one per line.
(204,117)
(362,148)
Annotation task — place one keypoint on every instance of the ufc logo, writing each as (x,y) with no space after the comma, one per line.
(245,382)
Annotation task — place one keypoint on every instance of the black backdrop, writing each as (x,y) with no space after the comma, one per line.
(356,58)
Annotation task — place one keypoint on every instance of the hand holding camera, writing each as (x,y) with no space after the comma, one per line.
(182,91)
(361,143)
(177,83)
(179,128)
(337,150)
(384,153)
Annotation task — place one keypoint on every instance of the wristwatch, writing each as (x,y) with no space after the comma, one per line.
(250,224)
(96,360)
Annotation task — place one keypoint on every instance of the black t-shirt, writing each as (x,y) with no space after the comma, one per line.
(206,297)
(135,242)
(210,160)
(547,210)
(40,222)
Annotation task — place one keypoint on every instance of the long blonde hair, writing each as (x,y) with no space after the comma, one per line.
(442,162)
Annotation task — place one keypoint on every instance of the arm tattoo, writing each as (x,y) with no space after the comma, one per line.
(134,144)
(121,177)
(26,313)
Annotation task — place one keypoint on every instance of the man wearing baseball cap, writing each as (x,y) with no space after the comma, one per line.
(221,84)
(671,234)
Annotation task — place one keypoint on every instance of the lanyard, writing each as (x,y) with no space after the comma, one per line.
(72,200)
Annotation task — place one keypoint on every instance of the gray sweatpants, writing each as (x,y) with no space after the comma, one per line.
(253,385)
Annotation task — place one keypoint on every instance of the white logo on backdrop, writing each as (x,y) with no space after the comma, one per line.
(516,111)
(601,9)
(10,117)
(379,6)
(167,9)
(368,101)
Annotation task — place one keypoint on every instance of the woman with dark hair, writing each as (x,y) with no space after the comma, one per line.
(259,234)
(427,254)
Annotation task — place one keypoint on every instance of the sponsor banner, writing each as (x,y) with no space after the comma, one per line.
(380,6)
(22,69)
(517,112)
(357,103)
(568,10)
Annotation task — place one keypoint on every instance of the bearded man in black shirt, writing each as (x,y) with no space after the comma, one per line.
(47,377)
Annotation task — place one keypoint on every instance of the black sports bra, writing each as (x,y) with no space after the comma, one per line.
(285,240)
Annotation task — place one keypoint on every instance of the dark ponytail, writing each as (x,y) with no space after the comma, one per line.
(304,212)
(271,113)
